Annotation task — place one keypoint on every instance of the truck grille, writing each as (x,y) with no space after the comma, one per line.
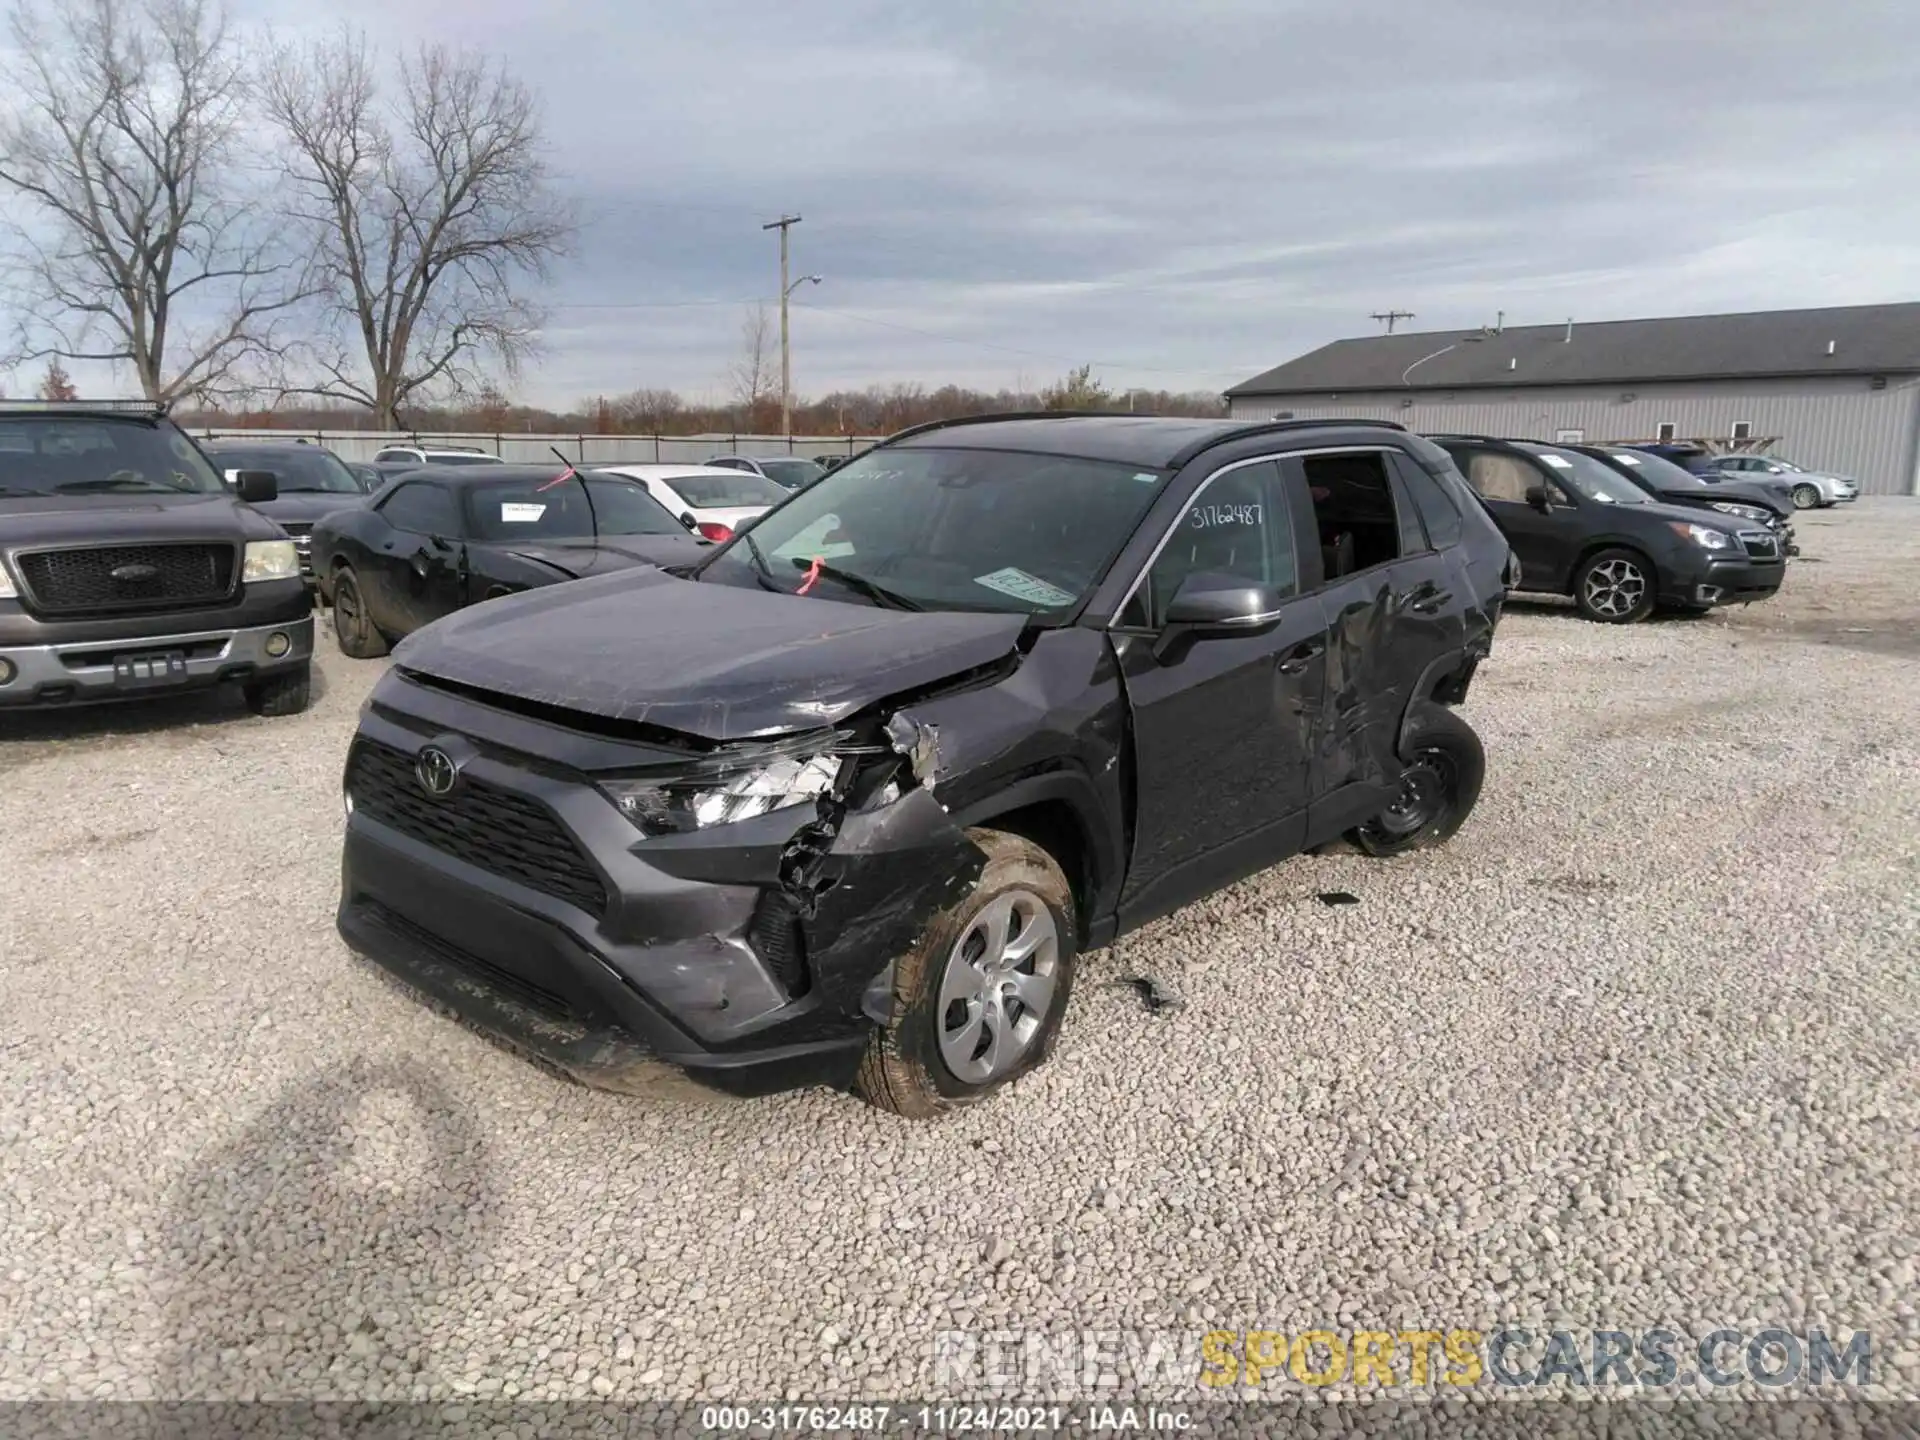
(1760,545)
(118,578)
(495,830)
(302,537)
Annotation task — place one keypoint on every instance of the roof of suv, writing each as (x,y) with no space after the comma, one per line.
(1159,441)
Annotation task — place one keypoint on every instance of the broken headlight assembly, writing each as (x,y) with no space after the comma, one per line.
(1745,512)
(740,785)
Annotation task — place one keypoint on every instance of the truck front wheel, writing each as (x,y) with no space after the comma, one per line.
(285,694)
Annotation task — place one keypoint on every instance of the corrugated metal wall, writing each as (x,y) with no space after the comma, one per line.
(363,445)
(1838,425)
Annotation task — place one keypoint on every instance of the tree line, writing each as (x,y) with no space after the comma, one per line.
(295,232)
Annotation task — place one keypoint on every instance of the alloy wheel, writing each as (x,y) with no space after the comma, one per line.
(1615,588)
(998,986)
(1805,497)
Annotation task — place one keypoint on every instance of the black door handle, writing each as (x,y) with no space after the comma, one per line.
(1302,655)
(1425,598)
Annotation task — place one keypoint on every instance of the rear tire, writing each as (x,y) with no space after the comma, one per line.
(359,637)
(1806,497)
(286,694)
(978,1000)
(1616,587)
(1445,767)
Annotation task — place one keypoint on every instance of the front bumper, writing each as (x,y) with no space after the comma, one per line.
(56,663)
(1722,582)
(605,953)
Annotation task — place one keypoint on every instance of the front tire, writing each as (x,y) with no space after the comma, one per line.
(978,1000)
(1806,497)
(286,694)
(1445,767)
(353,627)
(1615,587)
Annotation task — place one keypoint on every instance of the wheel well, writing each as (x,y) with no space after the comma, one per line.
(1054,826)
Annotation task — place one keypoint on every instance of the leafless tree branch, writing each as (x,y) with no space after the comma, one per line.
(435,210)
(129,238)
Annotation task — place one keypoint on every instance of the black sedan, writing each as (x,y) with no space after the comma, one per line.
(438,539)
(1676,485)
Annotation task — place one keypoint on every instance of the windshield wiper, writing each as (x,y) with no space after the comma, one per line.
(858,583)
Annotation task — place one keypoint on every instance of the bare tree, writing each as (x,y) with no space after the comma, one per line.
(755,375)
(648,412)
(133,245)
(55,384)
(433,212)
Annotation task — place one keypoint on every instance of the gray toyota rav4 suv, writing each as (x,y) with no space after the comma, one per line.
(844,800)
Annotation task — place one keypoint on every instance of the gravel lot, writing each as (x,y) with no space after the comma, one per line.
(1638,1047)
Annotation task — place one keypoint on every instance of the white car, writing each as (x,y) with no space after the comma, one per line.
(413,457)
(709,500)
(1811,488)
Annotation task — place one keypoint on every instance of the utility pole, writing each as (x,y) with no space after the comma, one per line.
(1392,317)
(784,224)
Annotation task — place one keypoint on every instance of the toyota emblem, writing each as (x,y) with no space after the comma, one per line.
(436,772)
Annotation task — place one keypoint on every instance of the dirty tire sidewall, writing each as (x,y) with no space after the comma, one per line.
(902,1070)
(358,638)
(1649,595)
(1432,726)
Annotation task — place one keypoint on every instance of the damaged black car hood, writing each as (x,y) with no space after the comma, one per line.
(715,661)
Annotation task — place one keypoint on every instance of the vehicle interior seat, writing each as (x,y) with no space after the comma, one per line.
(1336,555)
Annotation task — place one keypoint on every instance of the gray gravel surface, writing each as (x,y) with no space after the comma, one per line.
(1639,1047)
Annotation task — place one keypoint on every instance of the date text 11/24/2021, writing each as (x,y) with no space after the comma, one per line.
(982,1419)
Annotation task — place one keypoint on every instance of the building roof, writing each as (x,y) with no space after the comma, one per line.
(1864,340)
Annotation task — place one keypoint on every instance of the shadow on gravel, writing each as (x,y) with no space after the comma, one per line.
(315,1249)
(114,719)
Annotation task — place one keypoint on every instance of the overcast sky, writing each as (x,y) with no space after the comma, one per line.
(1186,193)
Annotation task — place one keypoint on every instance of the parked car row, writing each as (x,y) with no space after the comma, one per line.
(1806,489)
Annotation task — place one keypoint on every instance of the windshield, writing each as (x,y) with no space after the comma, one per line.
(538,510)
(306,469)
(951,530)
(712,492)
(1661,474)
(1590,477)
(58,455)
(792,472)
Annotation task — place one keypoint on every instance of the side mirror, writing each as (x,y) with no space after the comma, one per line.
(1537,497)
(256,487)
(1211,605)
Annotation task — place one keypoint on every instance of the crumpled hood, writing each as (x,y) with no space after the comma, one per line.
(714,661)
(581,558)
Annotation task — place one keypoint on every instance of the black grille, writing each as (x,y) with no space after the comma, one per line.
(1760,546)
(517,987)
(775,936)
(127,577)
(496,830)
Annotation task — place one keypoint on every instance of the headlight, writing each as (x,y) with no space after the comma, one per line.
(271,560)
(7,589)
(1745,512)
(1705,536)
(719,793)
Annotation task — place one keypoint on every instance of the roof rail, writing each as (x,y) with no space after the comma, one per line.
(927,425)
(1274,427)
(86,407)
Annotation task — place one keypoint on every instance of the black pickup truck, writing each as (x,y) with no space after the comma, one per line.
(127,568)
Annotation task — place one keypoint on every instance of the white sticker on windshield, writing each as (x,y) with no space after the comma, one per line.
(1628,459)
(521,514)
(1558,462)
(1145,475)
(1022,586)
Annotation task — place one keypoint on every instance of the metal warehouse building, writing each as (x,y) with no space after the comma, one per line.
(1835,389)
